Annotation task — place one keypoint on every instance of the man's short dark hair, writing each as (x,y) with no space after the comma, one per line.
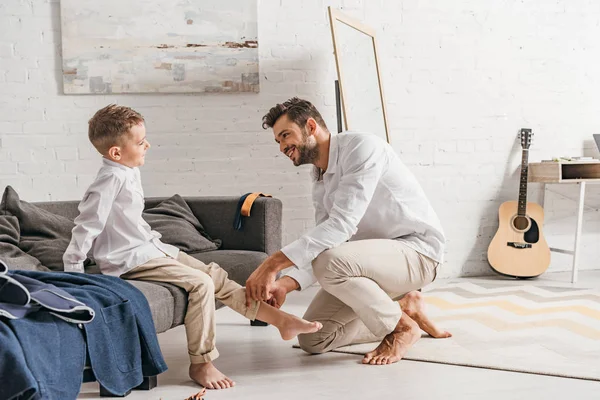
(297,110)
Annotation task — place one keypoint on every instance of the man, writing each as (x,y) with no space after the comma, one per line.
(376,241)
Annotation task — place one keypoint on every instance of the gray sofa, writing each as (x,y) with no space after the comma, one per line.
(241,251)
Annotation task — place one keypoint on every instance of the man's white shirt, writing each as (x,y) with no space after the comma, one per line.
(366,193)
(110,219)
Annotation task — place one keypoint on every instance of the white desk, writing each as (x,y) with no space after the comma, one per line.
(559,172)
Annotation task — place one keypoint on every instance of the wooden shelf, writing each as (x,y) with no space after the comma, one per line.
(564,172)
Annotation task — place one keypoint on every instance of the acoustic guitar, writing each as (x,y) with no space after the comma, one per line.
(519,248)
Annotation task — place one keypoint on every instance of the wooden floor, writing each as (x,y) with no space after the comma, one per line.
(265,367)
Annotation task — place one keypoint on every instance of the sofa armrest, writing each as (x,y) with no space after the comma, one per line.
(261,231)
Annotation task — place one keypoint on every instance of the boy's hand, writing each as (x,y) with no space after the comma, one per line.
(69,267)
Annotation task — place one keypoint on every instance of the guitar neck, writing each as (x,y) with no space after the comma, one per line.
(523,183)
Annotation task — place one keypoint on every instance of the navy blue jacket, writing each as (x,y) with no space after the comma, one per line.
(42,356)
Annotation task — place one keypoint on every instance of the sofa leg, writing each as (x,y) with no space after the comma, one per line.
(149,383)
(257,322)
(106,393)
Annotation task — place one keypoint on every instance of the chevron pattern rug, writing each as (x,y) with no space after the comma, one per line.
(525,328)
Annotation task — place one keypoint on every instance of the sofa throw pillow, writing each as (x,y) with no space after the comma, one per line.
(10,253)
(44,235)
(179,227)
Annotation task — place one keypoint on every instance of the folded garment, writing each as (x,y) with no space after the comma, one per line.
(13,292)
(22,295)
(14,297)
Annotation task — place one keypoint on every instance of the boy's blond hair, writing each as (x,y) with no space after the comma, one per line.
(110,124)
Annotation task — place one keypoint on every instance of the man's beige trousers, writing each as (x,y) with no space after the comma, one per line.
(203,283)
(361,282)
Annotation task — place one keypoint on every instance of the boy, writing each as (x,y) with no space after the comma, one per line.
(111,224)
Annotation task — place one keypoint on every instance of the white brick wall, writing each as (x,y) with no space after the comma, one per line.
(460,79)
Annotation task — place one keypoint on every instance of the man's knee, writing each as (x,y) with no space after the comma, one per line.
(316,343)
(331,263)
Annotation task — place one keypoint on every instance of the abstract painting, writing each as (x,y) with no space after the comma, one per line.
(159,46)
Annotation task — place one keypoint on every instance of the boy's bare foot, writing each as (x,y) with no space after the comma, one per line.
(394,345)
(414,306)
(207,375)
(291,326)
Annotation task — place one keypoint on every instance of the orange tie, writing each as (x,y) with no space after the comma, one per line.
(247,205)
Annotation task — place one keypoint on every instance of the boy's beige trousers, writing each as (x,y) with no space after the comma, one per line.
(203,283)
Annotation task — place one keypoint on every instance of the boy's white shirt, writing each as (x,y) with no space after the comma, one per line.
(366,193)
(110,223)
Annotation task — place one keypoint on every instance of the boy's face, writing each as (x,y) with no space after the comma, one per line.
(132,151)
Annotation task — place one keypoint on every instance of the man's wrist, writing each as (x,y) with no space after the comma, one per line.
(278,262)
(288,283)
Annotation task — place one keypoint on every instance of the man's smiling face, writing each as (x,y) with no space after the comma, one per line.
(295,142)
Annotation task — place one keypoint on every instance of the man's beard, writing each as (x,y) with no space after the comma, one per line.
(307,152)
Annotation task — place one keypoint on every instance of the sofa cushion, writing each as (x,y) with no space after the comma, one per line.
(174,220)
(44,235)
(10,253)
(179,298)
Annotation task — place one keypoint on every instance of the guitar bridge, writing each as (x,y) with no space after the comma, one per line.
(518,245)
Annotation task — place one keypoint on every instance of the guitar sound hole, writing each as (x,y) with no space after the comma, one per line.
(521,223)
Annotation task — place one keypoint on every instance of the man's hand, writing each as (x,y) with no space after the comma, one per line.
(258,285)
(278,294)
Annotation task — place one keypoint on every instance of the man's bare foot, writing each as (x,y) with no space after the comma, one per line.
(394,345)
(291,326)
(207,375)
(414,305)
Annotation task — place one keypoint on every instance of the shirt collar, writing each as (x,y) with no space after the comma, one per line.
(333,154)
(113,164)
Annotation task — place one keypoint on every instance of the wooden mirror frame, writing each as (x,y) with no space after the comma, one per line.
(336,15)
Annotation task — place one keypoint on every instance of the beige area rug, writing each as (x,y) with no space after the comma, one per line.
(533,329)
